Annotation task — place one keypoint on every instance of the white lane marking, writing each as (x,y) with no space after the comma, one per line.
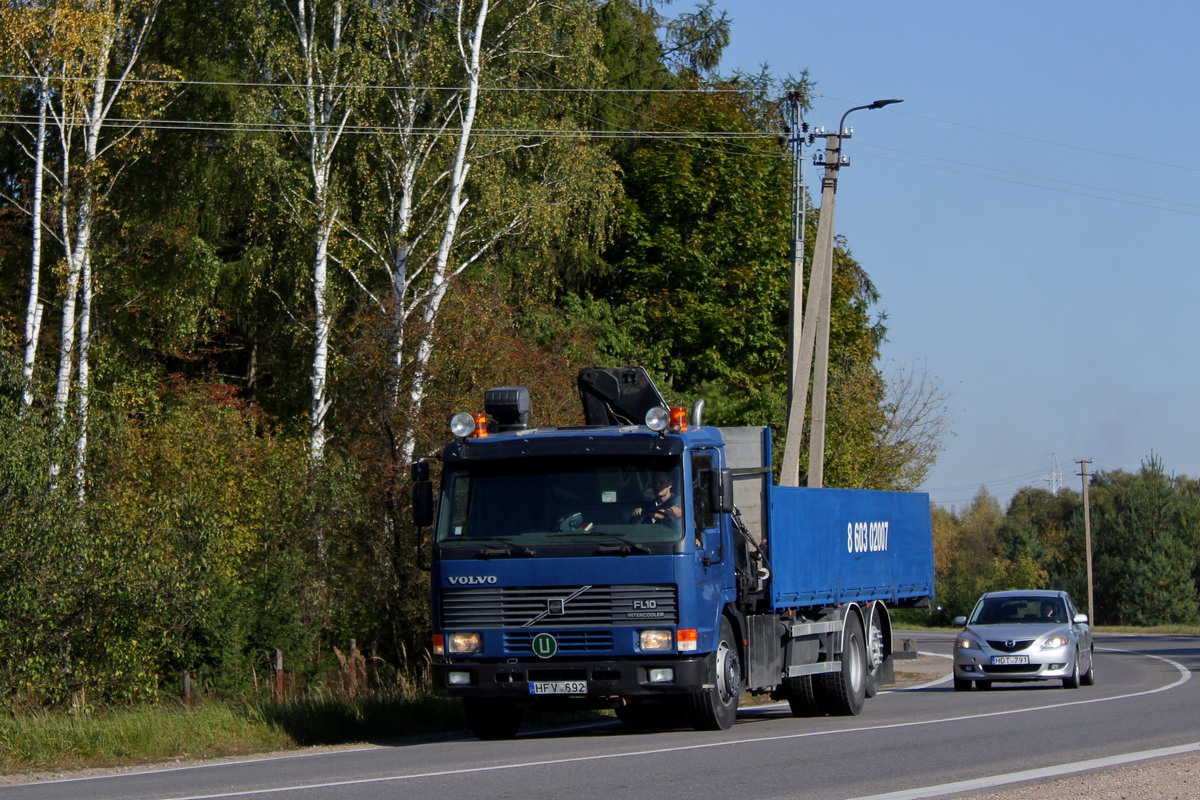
(1033,774)
(1185,676)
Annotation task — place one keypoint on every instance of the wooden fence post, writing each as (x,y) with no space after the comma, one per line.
(187,688)
(353,667)
(278,674)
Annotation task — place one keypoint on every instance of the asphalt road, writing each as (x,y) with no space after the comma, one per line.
(904,741)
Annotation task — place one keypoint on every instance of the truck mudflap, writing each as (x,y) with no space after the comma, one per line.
(536,681)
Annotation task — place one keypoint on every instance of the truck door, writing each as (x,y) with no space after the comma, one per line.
(705,524)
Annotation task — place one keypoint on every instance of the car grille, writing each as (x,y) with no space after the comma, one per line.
(1011,645)
(1011,669)
(558,606)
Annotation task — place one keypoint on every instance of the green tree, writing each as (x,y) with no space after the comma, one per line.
(1143,550)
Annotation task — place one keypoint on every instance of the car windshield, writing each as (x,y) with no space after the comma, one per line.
(544,506)
(1013,610)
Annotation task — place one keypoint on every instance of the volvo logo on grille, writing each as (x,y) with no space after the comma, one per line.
(471,580)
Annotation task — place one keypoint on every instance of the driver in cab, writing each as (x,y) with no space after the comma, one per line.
(666,509)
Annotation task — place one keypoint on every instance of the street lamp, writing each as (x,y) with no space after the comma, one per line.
(814,337)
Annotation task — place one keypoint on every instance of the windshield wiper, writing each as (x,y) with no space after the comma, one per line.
(625,548)
(504,550)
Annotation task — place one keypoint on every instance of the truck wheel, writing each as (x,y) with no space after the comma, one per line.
(842,693)
(801,696)
(875,651)
(715,708)
(490,718)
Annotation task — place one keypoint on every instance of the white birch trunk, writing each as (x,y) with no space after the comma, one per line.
(438,280)
(84,379)
(33,311)
(322,96)
(77,235)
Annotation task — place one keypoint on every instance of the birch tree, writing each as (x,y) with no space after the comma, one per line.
(96,77)
(28,32)
(81,56)
(447,196)
(316,62)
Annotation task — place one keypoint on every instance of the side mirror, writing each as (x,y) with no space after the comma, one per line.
(960,622)
(423,504)
(422,498)
(720,491)
(1081,619)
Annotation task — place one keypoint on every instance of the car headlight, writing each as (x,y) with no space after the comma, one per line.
(656,640)
(966,643)
(463,644)
(1055,642)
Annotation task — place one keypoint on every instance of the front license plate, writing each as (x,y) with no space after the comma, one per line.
(558,687)
(1001,660)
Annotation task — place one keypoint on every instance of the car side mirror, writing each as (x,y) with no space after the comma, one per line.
(960,621)
(1081,619)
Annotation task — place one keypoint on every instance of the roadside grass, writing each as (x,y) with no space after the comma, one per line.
(56,740)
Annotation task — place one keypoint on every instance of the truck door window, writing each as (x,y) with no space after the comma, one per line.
(702,514)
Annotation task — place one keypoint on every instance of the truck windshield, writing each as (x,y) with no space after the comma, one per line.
(541,506)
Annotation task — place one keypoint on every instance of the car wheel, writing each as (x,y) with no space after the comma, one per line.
(983,685)
(1073,681)
(962,685)
(1089,678)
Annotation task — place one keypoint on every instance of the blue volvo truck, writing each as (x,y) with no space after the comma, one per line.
(647,563)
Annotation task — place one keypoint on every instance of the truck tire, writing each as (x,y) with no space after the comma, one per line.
(876,651)
(715,708)
(801,696)
(842,693)
(490,718)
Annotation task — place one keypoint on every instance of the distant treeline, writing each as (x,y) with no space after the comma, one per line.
(1145,530)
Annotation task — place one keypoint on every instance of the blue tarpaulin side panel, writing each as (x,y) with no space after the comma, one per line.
(832,546)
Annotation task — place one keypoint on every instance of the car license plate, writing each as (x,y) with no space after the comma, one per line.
(1001,660)
(558,687)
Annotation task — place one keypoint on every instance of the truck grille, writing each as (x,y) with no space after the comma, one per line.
(558,606)
(520,643)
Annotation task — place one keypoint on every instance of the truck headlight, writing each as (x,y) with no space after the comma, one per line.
(463,643)
(656,641)
(462,424)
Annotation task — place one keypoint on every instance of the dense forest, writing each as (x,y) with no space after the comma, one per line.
(254,253)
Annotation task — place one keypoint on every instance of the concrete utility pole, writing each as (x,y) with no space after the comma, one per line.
(815,335)
(797,392)
(1087,534)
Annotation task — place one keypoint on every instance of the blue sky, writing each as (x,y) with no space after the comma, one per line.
(1030,215)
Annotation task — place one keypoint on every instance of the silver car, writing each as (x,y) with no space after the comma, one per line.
(1023,636)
